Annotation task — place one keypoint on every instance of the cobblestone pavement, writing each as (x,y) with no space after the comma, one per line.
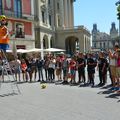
(58,102)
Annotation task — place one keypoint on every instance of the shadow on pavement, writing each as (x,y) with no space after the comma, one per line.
(106,87)
(118,101)
(105,92)
(8,94)
(115,96)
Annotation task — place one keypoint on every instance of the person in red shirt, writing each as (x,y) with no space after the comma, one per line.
(24,69)
(72,66)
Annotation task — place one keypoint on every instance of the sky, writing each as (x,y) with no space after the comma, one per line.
(101,12)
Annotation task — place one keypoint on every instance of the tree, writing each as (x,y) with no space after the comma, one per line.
(118,10)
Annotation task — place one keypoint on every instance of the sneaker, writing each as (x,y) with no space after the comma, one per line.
(116,88)
(112,88)
(39,80)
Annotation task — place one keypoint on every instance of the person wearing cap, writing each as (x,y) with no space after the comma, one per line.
(4,34)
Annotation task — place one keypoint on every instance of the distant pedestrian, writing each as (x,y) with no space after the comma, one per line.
(39,64)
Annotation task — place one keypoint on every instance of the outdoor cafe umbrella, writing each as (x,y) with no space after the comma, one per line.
(54,50)
(22,51)
(35,50)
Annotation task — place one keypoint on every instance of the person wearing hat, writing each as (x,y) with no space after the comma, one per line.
(4,34)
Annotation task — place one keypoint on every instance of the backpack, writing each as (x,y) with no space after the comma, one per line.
(118,62)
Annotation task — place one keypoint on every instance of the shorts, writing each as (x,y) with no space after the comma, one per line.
(65,71)
(72,72)
(118,72)
(58,72)
(4,47)
(17,71)
(113,71)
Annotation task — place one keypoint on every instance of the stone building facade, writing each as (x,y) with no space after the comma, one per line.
(102,40)
(20,16)
(55,27)
(45,24)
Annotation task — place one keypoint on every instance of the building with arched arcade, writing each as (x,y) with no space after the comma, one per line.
(54,27)
(44,24)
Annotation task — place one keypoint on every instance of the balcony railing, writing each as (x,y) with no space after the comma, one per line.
(20,15)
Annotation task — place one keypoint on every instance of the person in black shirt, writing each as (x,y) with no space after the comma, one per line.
(102,67)
(81,63)
(91,64)
(39,64)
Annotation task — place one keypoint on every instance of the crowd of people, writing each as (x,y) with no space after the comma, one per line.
(61,69)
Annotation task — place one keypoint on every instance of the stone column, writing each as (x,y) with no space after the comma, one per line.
(62,13)
(47,14)
(72,13)
(41,44)
(69,13)
(81,43)
(49,41)
(65,13)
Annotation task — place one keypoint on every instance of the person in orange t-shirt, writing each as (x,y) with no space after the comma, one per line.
(4,34)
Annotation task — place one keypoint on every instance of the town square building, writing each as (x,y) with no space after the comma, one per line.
(45,24)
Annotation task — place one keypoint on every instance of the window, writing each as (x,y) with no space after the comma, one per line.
(58,6)
(50,23)
(51,43)
(49,2)
(94,45)
(59,24)
(19,28)
(43,16)
(100,45)
(20,46)
(104,45)
(18,8)
(44,44)
(1,7)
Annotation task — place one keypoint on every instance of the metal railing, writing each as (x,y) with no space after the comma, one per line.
(21,15)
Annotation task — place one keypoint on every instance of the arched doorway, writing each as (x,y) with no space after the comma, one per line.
(45,42)
(71,45)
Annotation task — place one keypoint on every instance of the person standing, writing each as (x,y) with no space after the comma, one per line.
(65,68)
(17,68)
(46,63)
(39,64)
(118,72)
(24,70)
(51,69)
(113,66)
(72,66)
(81,64)
(91,64)
(102,67)
(58,67)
